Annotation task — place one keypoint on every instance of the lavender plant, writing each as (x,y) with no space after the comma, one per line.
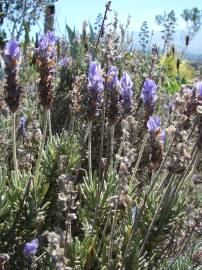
(12,88)
(126,199)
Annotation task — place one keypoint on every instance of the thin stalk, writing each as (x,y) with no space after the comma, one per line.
(155,216)
(165,176)
(15,162)
(190,169)
(112,237)
(49,125)
(107,8)
(139,158)
(38,162)
(112,146)
(90,151)
(119,152)
(68,234)
(104,231)
(87,133)
(100,174)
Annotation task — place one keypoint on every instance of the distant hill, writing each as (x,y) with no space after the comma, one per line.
(194,51)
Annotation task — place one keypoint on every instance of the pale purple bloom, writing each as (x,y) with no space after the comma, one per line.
(46,46)
(30,248)
(64,62)
(126,91)
(163,136)
(112,77)
(199,88)
(148,94)
(169,106)
(95,80)
(22,126)
(153,124)
(12,50)
(95,88)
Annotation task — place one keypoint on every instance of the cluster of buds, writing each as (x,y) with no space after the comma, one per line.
(157,141)
(12,63)
(46,62)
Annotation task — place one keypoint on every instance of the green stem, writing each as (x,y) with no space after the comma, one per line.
(104,232)
(15,162)
(111,245)
(90,151)
(139,158)
(112,146)
(38,162)
(49,125)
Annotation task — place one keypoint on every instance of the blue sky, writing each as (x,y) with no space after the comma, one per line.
(74,12)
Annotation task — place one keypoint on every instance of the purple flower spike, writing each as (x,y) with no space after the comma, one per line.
(153,124)
(95,88)
(163,136)
(95,80)
(112,80)
(22,126)
(64,62)
(12,64)
(199,88)
(12,50)
(148,94)
(30,248)
(46,47)
(126,92)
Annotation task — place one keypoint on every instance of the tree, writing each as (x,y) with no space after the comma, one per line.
(21,14)
(168,22)
(144,36)
(193,19)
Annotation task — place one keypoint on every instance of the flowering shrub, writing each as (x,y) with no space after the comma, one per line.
(105,160)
